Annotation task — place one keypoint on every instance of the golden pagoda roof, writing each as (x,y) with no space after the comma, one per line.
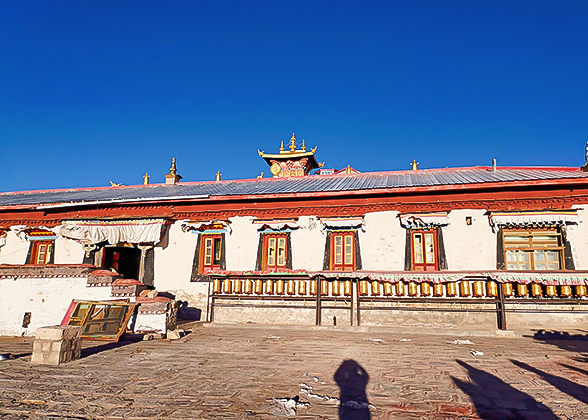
(292,154)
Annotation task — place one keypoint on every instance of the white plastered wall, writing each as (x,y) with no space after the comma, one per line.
(382,242)
(68,251)
(241,244)
(15,251)
(173,269)
(47,299)
(577,236)
(470,247)
(308,244)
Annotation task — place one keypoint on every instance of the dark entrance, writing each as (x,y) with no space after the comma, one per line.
(125,260)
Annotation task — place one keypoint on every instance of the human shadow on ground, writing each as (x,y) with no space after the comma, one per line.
(90,349)
(577,343)
(352,380)
(577,391)
(577,369)
(495,399)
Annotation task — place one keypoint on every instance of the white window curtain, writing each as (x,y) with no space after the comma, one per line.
(114,231)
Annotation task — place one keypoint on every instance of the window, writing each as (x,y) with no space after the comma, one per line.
(425,254)
(41,251)
(211,246)
(125,260)
(274,251)
(343,251)
(532,249)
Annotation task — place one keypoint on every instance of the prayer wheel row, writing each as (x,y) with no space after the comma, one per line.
(464,288)
(281,287)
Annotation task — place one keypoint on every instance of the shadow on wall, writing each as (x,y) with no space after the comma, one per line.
(188,313)
(577,343)
(352,380)
(577,391)
(495,399)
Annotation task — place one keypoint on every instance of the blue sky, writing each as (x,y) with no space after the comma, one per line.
(96,91)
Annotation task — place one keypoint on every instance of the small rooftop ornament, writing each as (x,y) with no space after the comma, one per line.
(173,177)
(146,178)
(414,165)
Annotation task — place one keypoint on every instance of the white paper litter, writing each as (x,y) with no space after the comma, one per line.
(460,341)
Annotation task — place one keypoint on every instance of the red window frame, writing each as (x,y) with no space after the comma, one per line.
(343,250)
(41,252)
(211,246)
(275,251)
(424,249)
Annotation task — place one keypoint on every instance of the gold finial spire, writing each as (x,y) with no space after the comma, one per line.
(293,143)
(282,146)
(414,165)
(218,176)
(173,170)
(348,169)
(303,146)
(146,179)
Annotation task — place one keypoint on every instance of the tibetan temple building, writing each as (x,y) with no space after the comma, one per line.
(491,248)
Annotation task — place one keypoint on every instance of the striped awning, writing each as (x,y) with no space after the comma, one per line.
(414,220)
(533,218)
(276,225)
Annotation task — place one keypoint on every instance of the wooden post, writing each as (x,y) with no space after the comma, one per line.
(500,308)
(318,301)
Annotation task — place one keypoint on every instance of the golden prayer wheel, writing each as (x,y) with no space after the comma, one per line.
(248,286)
(413,289)
(336,287)
(290,287)
(324,287)
(478,288)
(581,291)
(301,287)
(363,287)
(565,291)
(425,289)
(508,289)
(375,287)
(438,289)
(237,286)
(226,286)
(551,290)
(492,289)
(216,286)
(313,287)
(522,290)
(452,289)
(465,288)
(400,288)
(280,287)
(536,290)
(269,287)
(258,290)
(388,289)
(347,288)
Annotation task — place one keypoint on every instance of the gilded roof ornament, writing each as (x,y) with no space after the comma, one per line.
(282,146)
(260,152)
(414,165)
(146,179)
(293,144)
(303,146)
(173,170)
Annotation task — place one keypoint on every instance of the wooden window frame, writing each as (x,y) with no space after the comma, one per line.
(212,242)
(347,250)
(275,252)
(531,246)
(424,265)
(41,251)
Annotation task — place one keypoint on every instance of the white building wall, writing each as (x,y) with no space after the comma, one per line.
(308,244)
(15,250)
(47,299)
(470,247)
(577,236)
(241,244)
(68,251)
(382,242)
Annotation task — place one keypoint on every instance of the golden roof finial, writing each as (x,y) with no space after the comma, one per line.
(282,146)
(414,165)
(218,176)
(146,179)
(293,143)
(260,176)
(303,146)
(348,169)
(173,170)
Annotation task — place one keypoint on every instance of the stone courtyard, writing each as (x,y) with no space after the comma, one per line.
(254,372)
